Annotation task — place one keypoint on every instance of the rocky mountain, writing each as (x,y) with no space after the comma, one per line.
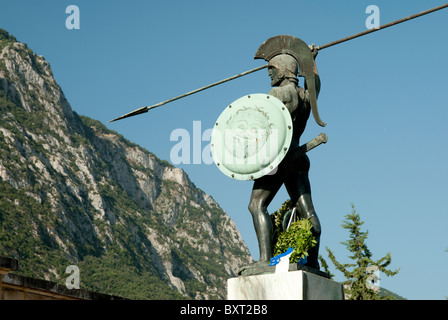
(73,192)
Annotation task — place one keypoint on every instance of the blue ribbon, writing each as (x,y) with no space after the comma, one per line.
(302,260)
(276,259)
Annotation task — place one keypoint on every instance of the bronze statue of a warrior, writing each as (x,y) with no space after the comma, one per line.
(293,170)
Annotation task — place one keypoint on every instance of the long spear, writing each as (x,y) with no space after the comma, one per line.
(330,44)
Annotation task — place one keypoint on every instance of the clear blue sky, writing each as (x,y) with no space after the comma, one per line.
(384,97)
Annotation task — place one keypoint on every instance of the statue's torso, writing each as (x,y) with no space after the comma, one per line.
(294,98)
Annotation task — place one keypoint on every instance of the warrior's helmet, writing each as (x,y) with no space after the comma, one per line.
(286,64)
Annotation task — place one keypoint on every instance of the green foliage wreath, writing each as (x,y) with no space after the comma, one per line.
(298,236)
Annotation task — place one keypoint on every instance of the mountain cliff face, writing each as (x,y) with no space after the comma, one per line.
(73,192)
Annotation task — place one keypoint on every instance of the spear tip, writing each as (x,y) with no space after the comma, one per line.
(131,114)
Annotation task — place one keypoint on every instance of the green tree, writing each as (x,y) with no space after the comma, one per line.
(324,265)
(359,273)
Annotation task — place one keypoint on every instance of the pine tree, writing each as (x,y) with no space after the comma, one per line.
(359,273)
(324,265)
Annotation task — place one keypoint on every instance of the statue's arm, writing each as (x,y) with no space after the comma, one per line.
(284,96)
(275,92)
(317,84)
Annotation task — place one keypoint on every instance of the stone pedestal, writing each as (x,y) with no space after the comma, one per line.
(292,285)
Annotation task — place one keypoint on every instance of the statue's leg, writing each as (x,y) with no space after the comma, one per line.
(263,192)
(298,186)
(306,211)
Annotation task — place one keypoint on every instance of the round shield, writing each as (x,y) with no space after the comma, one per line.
(251,137)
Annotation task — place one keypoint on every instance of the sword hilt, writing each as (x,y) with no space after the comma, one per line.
(321,138)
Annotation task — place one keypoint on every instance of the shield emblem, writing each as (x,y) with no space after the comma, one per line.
(251,137)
